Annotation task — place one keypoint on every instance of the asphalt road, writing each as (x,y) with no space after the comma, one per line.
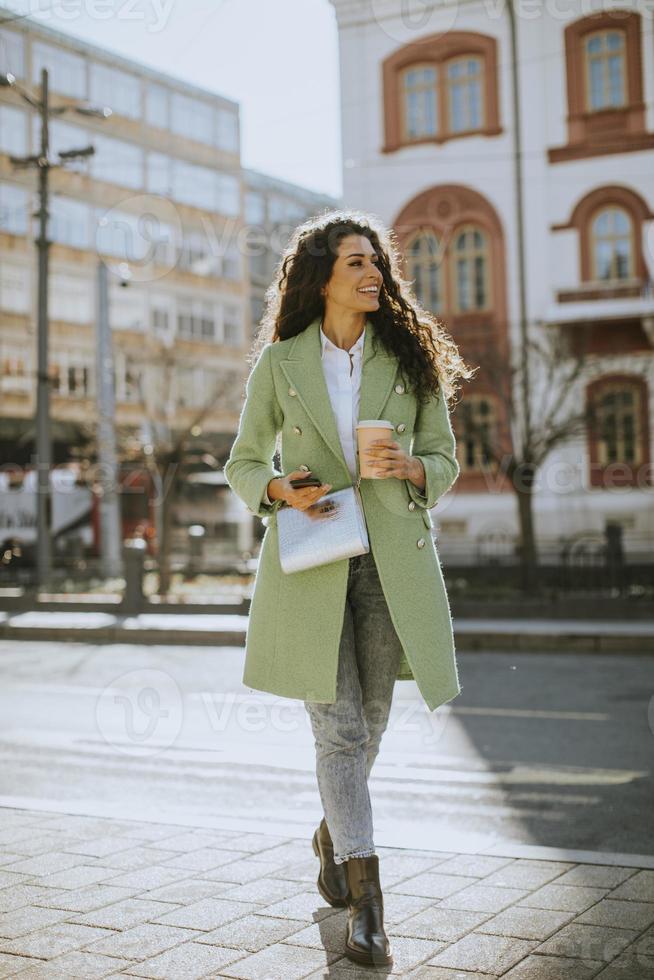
(547,749)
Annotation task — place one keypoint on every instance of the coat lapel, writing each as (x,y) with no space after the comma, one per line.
(304,372)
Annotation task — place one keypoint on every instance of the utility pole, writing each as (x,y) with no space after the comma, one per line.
(43,435)
(526,470)
(520,220)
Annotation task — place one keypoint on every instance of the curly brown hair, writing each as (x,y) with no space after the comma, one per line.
(429,358)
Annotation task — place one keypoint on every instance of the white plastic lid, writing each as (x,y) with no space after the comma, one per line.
(375,424)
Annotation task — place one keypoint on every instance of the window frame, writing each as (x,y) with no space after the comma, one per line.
(13,44)
(16,123)
(610,129)
(435,89)
(155,91)
(581,219)
(119,162)
(456,306)
(15,215)
(61,363)
(422,233)
(475,398)
(15,282)
(603,32)
(16,366)
(120,89)
(230,307)
(193,313)
(627,474)
(438,51)
(448,84)
(129,378)
(592,245)
(63,65)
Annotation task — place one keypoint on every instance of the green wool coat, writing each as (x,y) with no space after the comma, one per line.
(295,623)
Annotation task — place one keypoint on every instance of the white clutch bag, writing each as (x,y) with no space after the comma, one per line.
(329,530)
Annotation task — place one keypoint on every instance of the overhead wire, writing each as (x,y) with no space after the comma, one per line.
(12,19)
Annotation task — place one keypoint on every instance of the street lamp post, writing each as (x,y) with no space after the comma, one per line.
(110,527)
(43,435)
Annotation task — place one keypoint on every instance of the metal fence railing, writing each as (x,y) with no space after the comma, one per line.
(592,563)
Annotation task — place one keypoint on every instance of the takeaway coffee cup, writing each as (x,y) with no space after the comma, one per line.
(367,432)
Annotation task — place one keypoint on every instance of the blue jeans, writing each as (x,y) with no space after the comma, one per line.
(348,732)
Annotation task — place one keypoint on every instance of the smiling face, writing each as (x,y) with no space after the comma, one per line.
(356,280)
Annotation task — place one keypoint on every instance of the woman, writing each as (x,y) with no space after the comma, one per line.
(343,339)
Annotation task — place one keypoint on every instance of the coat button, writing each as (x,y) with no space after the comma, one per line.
(401,427)
(297,430)
(412,505)
(420,542)
(399,389)
(292,391)
(303,467)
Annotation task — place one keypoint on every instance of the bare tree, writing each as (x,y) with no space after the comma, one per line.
(517,447)
(167,452)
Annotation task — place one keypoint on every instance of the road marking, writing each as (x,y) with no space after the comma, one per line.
(236,697)
(532,713)
(391,767)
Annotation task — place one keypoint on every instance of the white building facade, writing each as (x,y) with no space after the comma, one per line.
(428,144)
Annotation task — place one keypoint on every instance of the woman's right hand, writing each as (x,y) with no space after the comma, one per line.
(280,489)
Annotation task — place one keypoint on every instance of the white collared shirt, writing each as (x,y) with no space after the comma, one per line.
(342,370)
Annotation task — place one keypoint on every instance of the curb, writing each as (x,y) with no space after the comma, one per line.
(120,634)
(505,848)
(466,640)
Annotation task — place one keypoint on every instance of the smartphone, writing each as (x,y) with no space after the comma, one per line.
(299,482)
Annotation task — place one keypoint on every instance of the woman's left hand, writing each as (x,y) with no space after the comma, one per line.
(389,459)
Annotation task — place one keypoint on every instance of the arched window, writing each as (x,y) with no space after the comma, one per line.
(420,102)
(609,221)
(604,81)
(605,54)
(476,432)
(618,431)
(465,94)
(424,268)
(470,269)
(611,247)
(452,244)
(441,87)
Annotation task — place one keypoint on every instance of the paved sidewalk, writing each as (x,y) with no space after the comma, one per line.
(593,635)
(95,897)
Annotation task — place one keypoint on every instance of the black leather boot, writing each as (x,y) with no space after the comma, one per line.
(366,940)
(332,879)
